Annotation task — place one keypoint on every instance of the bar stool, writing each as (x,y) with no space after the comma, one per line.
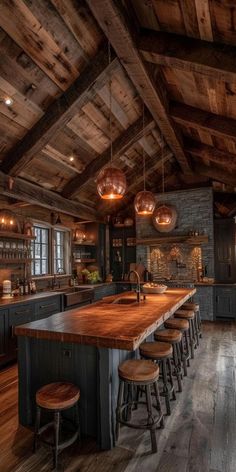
(183,326)
(174,337)
(161,353)
(144,374)
(190,316)
(196,308)
(56,397)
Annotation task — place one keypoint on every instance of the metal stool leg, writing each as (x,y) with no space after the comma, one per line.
(187,348)
(196,330)
(158,401)
(37,426)
(171,379)
(177,367)
(118,409)
(165,387)
(150,420)
(191,338)
(56,438)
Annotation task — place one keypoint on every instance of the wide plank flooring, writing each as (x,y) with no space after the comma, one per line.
(199,436)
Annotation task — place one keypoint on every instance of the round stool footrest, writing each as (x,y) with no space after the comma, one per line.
(135,403)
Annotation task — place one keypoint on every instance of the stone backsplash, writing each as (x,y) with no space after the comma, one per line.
(195,213)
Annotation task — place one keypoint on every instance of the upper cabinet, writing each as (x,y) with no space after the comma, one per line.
(225,251)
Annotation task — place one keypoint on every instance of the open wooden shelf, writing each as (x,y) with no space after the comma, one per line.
(76,243)
(14,261)
(83,261)
(8,234)
(202,239)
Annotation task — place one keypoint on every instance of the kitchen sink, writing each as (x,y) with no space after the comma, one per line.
(125,301)
(78,295)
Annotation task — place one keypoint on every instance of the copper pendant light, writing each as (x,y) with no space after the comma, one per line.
(164,213)
(144,202)
(111,181)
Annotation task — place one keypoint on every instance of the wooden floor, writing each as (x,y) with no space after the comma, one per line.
(200,435)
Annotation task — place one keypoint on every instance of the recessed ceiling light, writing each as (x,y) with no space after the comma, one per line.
(71,158)
(8,101)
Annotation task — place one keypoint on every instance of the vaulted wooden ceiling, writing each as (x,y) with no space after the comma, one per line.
(176,56)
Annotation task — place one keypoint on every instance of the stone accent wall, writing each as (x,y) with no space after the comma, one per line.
(195,212)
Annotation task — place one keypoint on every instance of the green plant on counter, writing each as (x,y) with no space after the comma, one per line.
(85,272)
(94,277)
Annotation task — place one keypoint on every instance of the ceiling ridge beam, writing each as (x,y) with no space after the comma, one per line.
(92,78)
(120,146)
(23,190)
(188,54)
(196,118)
(213,173)
(117,27)
(205,151)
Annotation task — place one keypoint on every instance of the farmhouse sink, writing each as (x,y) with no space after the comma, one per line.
(77,295)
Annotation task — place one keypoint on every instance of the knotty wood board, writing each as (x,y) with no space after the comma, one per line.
(109,325)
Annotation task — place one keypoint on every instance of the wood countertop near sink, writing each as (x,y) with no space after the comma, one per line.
(110,325)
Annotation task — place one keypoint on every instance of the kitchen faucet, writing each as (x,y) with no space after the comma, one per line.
(138,287)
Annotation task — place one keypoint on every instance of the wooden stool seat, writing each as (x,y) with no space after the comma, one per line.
(186,314)
(191,306)
(138,370)
(168,335)
(175,323)
(57,395)
(155,350)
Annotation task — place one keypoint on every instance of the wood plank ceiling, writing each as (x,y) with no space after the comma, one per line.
(176,56)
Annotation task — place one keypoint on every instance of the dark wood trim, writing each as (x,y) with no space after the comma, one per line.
(211,153)
(93,78)
(120,146)
(221,175)
(117,27)
(22,190)
(189,54)
(199,119)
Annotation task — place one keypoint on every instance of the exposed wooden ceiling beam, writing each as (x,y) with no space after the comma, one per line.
(189,54)
(25,191)
(214,173)
(115,24)
(120,146)
(199,119)
(211,153)
(94,76)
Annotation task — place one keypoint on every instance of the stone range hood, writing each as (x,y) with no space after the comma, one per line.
(195,213)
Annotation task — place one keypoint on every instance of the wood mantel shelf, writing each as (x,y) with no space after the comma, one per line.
(202,239)
(109,325)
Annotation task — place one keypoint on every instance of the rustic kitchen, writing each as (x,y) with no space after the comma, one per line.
(117,235)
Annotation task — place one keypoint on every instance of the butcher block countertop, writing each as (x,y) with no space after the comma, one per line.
(110,325)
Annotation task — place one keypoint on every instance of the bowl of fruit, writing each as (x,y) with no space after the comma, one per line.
(154,288)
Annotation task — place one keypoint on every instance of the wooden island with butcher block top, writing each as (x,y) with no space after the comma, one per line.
(85,346)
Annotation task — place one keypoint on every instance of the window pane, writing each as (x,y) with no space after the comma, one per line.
(39,251)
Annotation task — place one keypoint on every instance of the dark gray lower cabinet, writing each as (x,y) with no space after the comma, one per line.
(225,302)
(21,313)
(104,291)
(3,336)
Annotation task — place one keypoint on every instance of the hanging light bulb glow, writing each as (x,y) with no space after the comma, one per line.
(111,181)
(144,202)
(163,215)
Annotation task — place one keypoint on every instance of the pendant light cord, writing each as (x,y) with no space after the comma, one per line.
(162,165)
(144,159)
(110,101)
